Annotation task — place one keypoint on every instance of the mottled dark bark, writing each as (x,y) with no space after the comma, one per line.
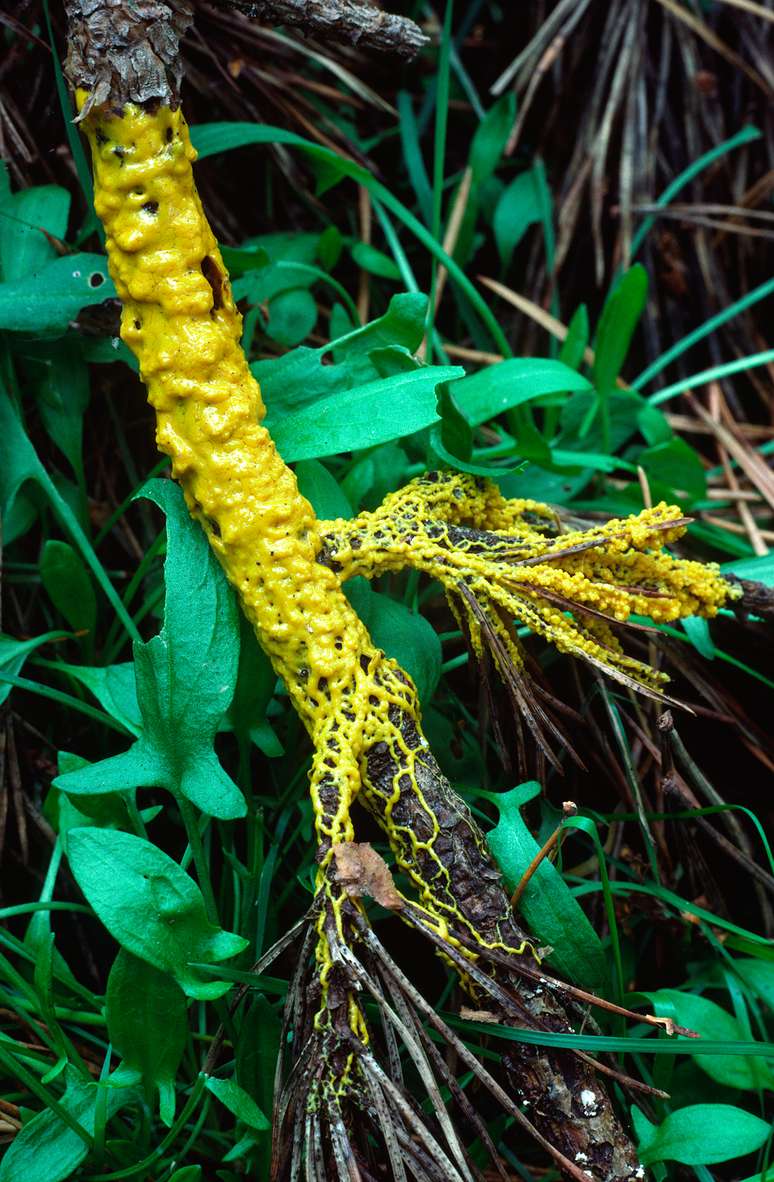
(757,598)
(561,1093)
(126,52)
(339,20)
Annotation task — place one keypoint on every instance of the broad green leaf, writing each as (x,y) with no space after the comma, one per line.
(237,1101)
(759,976)
(104,812)
(48,300)
(547,905)
(187,1174)
(147,1024)
(620,316)
(34,217)
(674,471)
(69,587)
(491,136)
(519,207)
(301,376)
(48,1150)
(114,687)
(376,262)
(654,426)
(407,637)
(322,490)
(402,324)
(759,569)
(364,416)
(150,906)
(62,398)
(456,432)
(701,1134)
(497,388)
(185,679)
(292,316)
(623,409)
(712,1022)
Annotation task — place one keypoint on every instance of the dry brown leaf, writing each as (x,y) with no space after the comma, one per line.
(362,871)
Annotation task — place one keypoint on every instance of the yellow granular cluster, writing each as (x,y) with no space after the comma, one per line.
(504,561)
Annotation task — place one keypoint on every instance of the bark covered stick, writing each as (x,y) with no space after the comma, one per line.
(340,20)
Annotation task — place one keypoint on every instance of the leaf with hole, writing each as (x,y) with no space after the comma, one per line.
(47,301)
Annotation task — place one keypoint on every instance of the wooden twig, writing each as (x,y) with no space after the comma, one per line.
(340,20)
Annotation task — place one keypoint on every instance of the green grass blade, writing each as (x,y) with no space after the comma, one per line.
(745,136)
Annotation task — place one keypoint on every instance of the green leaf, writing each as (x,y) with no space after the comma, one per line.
(456,432)
(322,490)
(519,207)
(760,569)
(364,416)
(712,1022)
(575,343)
(292,316)
(674,471)
(114,687)
(147,1024)
(187,1174)
(237,1101)
(33,215)
(758,975)
(376,262)
(256,681)
(13,654)
(620,316)
(654,426)
(48,300)
(579,433)
(547,904)
(497,388)
(46,1149)
(407,637)
(69,587)
(185,679)
(18,464)
(698,632)
(150,906)
(491,136)
(62,397)
(302,376)
(702,1134)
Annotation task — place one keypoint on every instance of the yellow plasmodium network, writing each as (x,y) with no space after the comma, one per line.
(180,320)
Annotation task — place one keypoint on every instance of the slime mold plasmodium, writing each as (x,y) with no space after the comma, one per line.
(499,560)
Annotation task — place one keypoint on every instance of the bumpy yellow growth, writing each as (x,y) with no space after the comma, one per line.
(180,320)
